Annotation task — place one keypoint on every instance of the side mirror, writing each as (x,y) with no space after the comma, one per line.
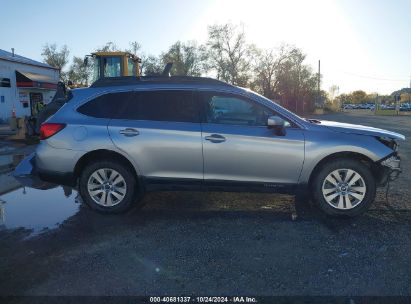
(86,61)
(277,123)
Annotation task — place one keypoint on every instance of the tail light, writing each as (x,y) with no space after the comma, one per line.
(49,129)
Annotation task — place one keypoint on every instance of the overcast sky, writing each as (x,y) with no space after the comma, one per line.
(362,44)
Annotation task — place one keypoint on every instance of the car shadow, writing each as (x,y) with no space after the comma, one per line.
(183,208)
(174,208)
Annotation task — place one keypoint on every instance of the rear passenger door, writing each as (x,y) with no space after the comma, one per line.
(160,130)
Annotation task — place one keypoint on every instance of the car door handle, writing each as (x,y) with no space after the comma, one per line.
(215,138)
(129,132)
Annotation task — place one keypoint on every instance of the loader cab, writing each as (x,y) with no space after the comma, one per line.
(113,64)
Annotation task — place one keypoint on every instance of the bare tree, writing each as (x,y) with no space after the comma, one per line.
(333,91)
(229,54)
(268,67)
(108,47)
(56,58)
(135,47)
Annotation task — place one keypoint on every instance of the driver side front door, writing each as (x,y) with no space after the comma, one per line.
(239,147)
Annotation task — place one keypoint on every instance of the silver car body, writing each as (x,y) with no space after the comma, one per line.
(166,151)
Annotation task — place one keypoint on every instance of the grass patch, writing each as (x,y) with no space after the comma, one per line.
(386,112)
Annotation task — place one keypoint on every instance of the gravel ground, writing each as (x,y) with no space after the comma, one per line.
(222,244)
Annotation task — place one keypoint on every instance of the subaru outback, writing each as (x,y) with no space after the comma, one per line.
(123,137)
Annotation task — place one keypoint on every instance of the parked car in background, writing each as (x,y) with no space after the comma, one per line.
(347,106)
(387,107)
(126,136)
(368,106)
(405,107)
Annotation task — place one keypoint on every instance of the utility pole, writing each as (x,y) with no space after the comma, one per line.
(409,93)
(319,81)
(376,104)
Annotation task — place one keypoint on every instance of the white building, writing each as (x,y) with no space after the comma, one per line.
(23,83)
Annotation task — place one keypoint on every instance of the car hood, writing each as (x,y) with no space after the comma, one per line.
(359,129)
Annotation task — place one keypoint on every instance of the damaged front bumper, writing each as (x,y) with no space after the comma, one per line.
(390,168)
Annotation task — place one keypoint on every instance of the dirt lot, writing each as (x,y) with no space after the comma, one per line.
(216,244)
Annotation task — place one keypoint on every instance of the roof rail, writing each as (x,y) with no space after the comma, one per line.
(132,80)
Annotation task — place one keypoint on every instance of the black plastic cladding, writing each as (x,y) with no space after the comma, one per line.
(131,80)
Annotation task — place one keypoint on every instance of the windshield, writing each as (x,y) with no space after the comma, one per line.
(112,66)
(131,67)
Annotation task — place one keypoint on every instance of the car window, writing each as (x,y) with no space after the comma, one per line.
(164,105)
(105,106)
(224,108)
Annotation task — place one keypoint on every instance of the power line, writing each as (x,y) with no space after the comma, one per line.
(372,77)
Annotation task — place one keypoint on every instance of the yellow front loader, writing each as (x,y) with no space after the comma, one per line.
(114,64)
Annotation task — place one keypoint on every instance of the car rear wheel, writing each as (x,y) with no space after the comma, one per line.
(108,187)
(344,187)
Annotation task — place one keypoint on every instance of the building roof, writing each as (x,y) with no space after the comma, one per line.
(399,92)
(24,60)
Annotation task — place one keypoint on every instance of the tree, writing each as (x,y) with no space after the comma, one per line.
(267,69)
(56,58)
(135,47)
(333,92)
(358,96)
(187,59)
(108,47)
(229,54)
(152,65)
(344,98)
(79,73)
(296,82)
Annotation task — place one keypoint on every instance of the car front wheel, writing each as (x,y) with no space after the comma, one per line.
(344,187)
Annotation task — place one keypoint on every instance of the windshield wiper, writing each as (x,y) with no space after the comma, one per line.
(314,121)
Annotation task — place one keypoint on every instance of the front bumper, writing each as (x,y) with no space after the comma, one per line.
(393,163)
(391,166)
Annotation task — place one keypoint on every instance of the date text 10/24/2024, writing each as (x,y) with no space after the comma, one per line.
(203,300)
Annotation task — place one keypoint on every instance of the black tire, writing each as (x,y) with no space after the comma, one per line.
(340,164)
(133,193)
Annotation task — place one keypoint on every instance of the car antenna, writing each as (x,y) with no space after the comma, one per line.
(167,69)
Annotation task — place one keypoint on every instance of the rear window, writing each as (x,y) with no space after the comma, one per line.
(105,106)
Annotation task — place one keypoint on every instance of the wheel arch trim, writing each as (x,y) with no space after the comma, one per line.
(337,155)
(106,153)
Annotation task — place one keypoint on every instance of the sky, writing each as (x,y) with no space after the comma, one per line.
(362,44)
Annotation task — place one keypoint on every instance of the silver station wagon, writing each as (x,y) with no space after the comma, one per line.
(124,136)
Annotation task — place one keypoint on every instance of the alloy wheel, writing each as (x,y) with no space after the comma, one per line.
(344,189)
(107,187)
